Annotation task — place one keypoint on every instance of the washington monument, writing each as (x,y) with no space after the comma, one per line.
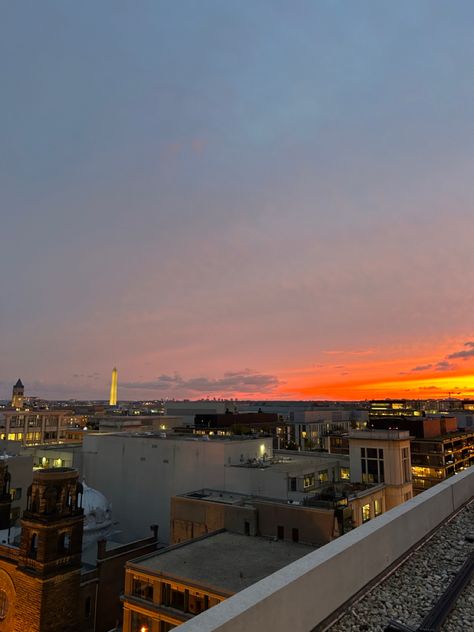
(113,388)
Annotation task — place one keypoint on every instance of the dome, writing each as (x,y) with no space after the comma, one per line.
(97,514)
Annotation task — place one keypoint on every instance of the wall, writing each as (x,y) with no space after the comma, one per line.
(139,475)
(303,594)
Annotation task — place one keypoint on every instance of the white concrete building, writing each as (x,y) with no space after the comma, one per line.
(140,472)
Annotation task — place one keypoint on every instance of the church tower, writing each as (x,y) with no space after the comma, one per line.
(49,562)
(18,395)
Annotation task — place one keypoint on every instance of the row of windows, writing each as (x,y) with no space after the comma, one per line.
(172,597)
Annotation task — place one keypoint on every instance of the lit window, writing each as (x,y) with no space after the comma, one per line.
(377,507)
(365,513)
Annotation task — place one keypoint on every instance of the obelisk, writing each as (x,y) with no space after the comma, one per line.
(113,388)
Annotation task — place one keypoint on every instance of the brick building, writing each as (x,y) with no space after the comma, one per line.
(40,579)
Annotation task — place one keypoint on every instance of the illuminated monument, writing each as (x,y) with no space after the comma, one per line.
(113,388)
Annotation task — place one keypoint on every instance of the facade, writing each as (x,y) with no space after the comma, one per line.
(130,467)
(38,426)
(318,519)
(308,429)
(437,458)
(167,588)
(382,456)
(438,449)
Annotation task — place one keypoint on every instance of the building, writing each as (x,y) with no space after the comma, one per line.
(308,429)
(310,593)
(52,579)
(169,587)
(40,426)
(18,395)
(382,456)
(318,519)
(40,579)
(438,449)
(129,467)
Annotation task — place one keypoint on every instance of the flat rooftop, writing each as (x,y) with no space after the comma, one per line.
(167,436)
(225,562)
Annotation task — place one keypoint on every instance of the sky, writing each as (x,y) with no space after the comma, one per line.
(249,198)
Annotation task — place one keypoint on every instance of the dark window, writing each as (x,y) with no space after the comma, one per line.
(247,528)
(64,545)
(280,532)
(295,536)
(33,545)
(143,589)
(87,607)
(177,599)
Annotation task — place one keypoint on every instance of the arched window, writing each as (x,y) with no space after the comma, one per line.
(33,545)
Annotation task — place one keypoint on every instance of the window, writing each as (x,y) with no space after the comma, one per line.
(87,607)
(295,536)
(280,532)
(344,473)
(140,622)
(142,588)
(33,546)
(323,476)
(308,481)
(292,484)
(247,528)
(407,496)
(64,545)
(377,507)
(372,465)
(365,513)
(15,493)
(406,465)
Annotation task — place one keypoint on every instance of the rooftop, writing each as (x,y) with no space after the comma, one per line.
(174,436)
(227,562)
(381,435)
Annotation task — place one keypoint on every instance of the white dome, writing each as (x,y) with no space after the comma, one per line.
(97,515)
(95,504)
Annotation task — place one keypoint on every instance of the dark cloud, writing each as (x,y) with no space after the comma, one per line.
(246,381)
(444,365)
(464,353)
(422,367)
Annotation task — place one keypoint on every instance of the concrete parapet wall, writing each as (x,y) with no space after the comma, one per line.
(303,594)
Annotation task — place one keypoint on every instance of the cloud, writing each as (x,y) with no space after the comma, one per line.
(444,365)
(245,381)
(464,353)
(347,352)
(422,367)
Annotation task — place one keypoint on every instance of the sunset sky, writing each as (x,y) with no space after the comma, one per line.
(239,198)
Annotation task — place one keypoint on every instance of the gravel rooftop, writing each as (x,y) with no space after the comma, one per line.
(410,592)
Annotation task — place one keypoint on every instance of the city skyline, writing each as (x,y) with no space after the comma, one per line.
(237,201)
